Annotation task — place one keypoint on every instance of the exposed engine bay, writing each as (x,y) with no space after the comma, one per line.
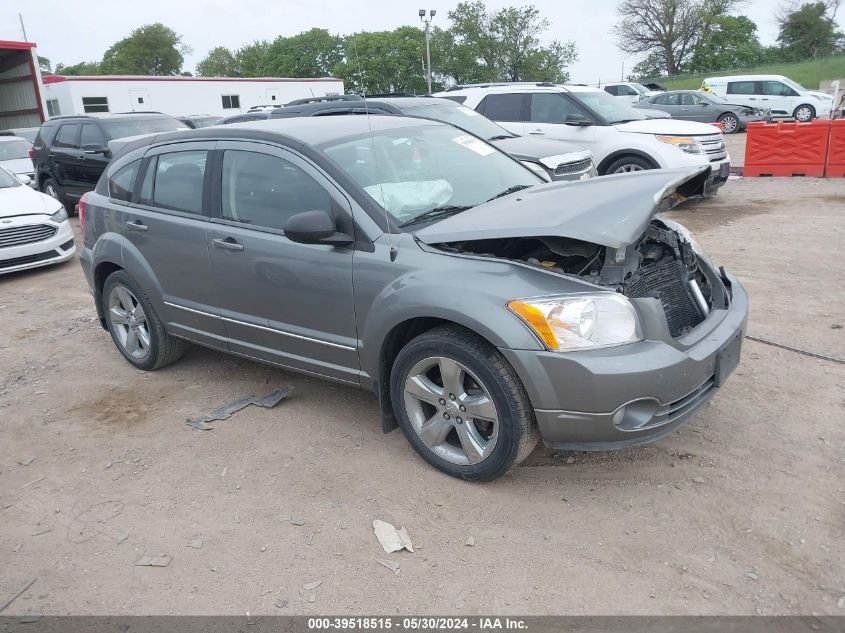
(661,264)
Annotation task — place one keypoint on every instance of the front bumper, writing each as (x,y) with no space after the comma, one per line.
(632,394)
(53,250)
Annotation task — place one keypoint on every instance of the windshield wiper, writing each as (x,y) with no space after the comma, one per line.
(436,213)
(509,191)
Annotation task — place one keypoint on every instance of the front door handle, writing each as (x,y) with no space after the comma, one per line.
(136,226)
(229,244)
(537,132)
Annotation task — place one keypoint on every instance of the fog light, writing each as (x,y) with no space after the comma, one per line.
(619,416)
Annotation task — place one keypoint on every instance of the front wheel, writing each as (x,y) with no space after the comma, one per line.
(730,123)
(51,189)
(804,113)
(628,164)
(461,405)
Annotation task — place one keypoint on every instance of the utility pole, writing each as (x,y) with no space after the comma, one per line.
(427,20)
(23,28)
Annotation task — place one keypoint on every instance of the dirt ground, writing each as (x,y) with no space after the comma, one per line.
(740,512)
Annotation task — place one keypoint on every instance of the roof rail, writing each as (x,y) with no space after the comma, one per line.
(325,98)
(387,95)
(491,84)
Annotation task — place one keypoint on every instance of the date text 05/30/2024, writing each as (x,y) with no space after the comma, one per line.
(417,624)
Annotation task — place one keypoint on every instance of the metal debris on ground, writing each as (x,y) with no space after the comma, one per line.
(391,539)
(394,567)
(225,412)
(26,461)
(280,604)
(297,520)
(310,586)
(195,543)
(34,481)
(3,605)
(470,542)
(153,561)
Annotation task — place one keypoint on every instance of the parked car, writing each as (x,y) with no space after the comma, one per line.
(71,152)
(620,137)
(34,228)
(196,121)
(555,160)
(256,115)
(629,91)
(485,307)
(14,156)
(693,105)
(777,93)
(654,114)
(29,133)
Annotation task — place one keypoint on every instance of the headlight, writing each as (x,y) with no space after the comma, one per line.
(685,143)
(59,216)
(580,322)
(537,169)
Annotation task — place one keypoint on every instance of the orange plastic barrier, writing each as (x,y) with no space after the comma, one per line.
(786,149)
(835,167)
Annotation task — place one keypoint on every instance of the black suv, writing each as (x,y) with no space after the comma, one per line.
(550,158)
(71,152)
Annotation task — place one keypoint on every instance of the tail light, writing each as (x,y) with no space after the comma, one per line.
(31,152)
(82,206)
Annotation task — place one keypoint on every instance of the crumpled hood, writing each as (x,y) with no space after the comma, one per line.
(23,200)
(667,126)
(612,211)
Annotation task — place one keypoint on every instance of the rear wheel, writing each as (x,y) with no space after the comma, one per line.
(134,326)
(49,187)
(730,123)
(628,164)
(461,405)
(804,113)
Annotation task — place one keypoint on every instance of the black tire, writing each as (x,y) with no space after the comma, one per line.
(803,108)
(50,183)
(517,428)
(163,348)
(730,123)
(628,163)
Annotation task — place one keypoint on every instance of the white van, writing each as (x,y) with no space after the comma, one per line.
(783,96)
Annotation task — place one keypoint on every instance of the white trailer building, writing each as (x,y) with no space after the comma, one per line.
(176,95)
(21,103)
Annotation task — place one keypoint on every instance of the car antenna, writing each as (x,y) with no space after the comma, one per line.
(394,251)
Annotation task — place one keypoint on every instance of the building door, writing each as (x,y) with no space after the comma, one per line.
(139,98)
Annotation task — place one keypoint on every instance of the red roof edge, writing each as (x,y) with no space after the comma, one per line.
(22,46)
(52,79)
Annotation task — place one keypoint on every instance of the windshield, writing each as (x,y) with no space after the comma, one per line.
(206,121)
(640,88)
(607,107)
(417,169)
(462,117)
(7,179)
(10,150)
(793,85)
(117,128)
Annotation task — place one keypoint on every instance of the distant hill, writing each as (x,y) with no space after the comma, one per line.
(808,73)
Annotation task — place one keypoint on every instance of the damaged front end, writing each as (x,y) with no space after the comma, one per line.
(630,250)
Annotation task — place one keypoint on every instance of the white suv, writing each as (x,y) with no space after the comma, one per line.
(781,95)
(630,91)
(621,138)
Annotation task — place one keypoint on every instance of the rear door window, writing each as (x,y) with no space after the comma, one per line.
(502,107)
(68,136)
(612,90)
(91,136)
(691,100)
(122,182)
(178,180)
(742,88)
(265,191)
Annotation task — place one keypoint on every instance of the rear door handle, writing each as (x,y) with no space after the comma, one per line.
(229,244)
(136,226)
(537,132)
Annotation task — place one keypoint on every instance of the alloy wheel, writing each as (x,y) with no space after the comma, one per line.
(129,322)
(804,114)
(50,190)
(623,169)
(729,124)
(451,411)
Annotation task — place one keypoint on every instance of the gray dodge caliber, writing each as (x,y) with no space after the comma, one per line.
(484,307)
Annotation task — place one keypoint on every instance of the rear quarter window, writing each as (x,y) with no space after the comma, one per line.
(502,107)
(122,181)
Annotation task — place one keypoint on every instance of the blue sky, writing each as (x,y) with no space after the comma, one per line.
(93,25)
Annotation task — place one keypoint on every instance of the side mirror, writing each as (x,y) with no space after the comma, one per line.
(94,149)
(24,179)
(315,227)
(578,120)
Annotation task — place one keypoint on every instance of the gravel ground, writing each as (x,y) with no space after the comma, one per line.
(740,512)
(736,148)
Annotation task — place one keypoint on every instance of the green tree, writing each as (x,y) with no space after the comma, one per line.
(384,61)
(220,62)
(44,65)
(153,49)
(82,68)
(312,53)
(729,42)
(250,60)
(808,32)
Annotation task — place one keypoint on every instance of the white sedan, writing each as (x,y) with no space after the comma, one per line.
(34,228)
